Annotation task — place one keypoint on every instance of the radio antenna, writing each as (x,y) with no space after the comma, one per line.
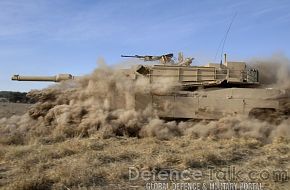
(223,41)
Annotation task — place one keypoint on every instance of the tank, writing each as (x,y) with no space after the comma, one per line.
(198,92)
(208,92)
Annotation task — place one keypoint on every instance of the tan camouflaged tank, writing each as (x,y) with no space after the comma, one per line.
(202,92)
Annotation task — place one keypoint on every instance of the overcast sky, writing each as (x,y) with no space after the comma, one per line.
(46,37)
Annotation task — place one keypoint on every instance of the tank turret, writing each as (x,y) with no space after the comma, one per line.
(230,74)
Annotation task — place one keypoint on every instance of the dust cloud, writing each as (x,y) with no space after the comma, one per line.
(102,104)
(274,71)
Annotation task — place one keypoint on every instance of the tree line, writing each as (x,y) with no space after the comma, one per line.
(15,97)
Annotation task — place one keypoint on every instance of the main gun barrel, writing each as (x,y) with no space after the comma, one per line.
(56,78)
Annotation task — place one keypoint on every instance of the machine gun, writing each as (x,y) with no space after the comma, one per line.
(167,58)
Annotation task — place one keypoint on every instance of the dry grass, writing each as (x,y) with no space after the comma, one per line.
(9,109)
(98,163)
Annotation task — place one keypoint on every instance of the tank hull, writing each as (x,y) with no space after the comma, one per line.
(212,103)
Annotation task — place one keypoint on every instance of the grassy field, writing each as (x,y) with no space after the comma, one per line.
(8,109)
(96,163)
